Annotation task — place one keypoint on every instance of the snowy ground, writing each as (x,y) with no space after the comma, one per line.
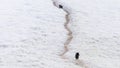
(96,32)
(32,33)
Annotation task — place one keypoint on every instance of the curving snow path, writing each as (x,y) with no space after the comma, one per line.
(96,32)
(32,34)
(70,36)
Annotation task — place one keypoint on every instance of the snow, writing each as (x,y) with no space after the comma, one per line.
(32,33)
(96,32)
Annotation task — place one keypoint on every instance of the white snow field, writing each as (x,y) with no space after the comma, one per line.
(96,32)
(32,33)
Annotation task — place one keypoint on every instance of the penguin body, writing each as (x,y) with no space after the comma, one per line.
(60,6)
(77,56)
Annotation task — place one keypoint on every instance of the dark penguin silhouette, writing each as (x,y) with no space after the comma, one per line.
(77,56)
(60,6)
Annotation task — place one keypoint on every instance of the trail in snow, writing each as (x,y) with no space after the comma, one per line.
(70,36)
(69,39)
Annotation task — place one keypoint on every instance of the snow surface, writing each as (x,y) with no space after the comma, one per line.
(32,33)
(96,31)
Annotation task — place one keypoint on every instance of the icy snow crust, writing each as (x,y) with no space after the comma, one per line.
(32,34)
(96,31)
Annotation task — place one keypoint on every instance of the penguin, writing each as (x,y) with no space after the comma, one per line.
(77,56)
(60,6)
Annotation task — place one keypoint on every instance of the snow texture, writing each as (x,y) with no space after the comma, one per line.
(32,33)
(96,32)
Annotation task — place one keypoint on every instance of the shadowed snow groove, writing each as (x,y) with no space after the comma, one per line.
(70,36)
(69,39)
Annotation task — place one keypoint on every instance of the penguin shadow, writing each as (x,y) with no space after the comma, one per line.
(79,61)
